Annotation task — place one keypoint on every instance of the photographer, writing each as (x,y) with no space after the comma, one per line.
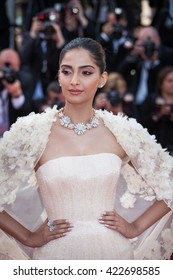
(157,112)
(40,51)
(75,22)
(54,96)
(117,95)
(115,102)
(140,68)
(113,36)
(15,89)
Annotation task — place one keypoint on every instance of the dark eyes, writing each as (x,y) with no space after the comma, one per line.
(87,72)
(84,72)
(65,72)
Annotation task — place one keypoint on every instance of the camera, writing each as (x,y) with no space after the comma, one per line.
(43,17)
(119,13)
(7,74)
(114,98)
(118,30)
(118,27)
(47,17)
(47,31)
(73,9)
(149,47)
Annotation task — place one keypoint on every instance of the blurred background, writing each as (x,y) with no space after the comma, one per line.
(16,15)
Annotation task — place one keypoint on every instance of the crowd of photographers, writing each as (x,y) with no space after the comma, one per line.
(141,57)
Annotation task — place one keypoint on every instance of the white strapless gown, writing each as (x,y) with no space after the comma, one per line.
(80,189)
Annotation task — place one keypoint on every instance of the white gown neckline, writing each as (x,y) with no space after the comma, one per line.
(50,161)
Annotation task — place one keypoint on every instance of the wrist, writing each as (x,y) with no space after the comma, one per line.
(25,238)
(29,241)
(135,229)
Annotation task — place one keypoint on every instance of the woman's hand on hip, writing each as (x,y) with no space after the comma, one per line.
(48,231)
(115,222)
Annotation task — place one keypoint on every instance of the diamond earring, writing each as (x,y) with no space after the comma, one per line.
(101,86)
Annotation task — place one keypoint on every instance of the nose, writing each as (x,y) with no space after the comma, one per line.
(75,79)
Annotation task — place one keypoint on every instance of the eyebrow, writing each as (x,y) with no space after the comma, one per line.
(81,67)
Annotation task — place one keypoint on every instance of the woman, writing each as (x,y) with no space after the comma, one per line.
(80,159)
(157,110)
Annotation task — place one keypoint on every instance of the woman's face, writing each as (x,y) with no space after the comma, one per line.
(79,77)
(167,85)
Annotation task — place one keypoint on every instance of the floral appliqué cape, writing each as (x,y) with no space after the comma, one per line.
(148,177)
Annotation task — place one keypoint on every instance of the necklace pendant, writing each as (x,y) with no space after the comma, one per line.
(80,128)
(65,121)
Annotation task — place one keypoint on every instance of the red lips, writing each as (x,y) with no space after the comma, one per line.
(75,91)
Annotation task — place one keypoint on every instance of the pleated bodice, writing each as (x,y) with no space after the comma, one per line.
(80,189)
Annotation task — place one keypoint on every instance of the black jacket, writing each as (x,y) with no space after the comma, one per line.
(131,68)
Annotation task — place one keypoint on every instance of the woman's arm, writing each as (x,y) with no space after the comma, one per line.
(33,239)
(13,228)
(151,216)
(114,221)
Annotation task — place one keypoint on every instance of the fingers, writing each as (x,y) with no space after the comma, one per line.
(62,226)
(111,219)
(109,216)
(57,228)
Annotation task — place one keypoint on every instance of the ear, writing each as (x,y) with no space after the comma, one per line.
(59,82)
(103,79)
(58,78)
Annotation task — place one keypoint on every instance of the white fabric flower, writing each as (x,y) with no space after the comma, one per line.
(26,145)
(127,200)
(153,163)
(153,252)
(167,236)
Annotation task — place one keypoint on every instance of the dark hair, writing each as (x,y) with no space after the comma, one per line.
(93,47)
(161,77)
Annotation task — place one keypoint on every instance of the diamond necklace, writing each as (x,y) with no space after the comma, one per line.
(78,128)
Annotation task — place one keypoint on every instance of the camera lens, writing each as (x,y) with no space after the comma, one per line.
(48,30)
(75,10)
(7,74)
(114,98)
(149,48)
(118,31)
